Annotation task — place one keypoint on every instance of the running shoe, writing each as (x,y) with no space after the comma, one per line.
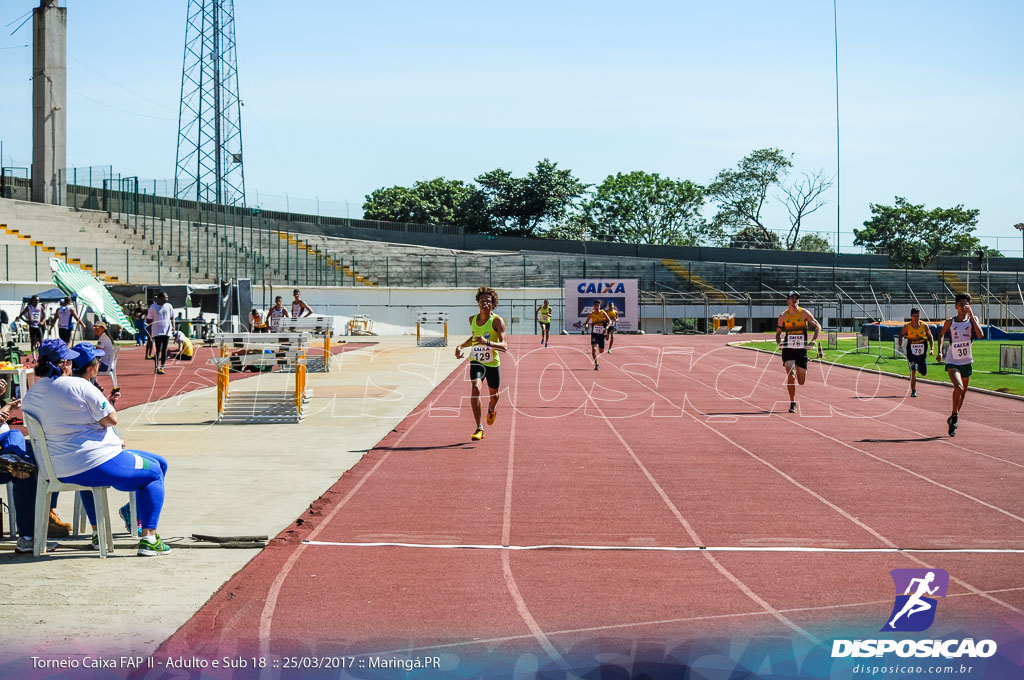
(478,435)
(24,545)
(951,421)
(56,527)
(95,541)
(792,407)
(125,513)
(491,415)
(597,367)
(913,393)
(155,547)
(10,463)
(160,371)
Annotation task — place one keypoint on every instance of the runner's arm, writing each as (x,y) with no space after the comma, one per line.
(814,323)
(778,331)
(975,325)
(307,308)
(499,330)
(938,340)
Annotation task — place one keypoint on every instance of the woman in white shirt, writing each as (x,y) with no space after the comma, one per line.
(78,422)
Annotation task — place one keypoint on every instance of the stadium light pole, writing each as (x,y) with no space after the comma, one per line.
(835,36)
(1020,227)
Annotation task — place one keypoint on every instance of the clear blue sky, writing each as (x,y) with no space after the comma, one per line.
(342,98)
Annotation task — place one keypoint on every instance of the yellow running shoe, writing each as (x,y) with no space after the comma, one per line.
(491,415)
(478,435)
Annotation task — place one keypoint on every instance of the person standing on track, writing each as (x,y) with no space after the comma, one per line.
(35,316)
(487,339)
(299,306)
(543,316)
(598,322)
(66,316)
(962,329)
(794,322)
(161,323)
(275,314)
(919,339)
(613,314)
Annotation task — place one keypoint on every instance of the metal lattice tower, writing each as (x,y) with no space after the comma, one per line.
(209,159)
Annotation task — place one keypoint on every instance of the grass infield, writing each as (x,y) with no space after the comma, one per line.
(986,362)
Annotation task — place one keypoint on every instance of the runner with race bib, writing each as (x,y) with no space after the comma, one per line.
(543,315)
(613,314)
(598,322)
(919,346)
(962,329)
(487,339)
(794,323)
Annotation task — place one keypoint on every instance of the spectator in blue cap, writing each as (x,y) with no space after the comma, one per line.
(90,360)
(78,422)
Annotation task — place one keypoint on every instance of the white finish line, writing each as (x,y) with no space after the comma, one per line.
(664,548)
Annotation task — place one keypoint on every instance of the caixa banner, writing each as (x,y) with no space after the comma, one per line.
(581,294)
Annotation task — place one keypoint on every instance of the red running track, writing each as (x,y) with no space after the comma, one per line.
(675,442)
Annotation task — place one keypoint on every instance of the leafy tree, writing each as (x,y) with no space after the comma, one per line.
(436,201)
(575,227)
(812,243)
(754,238)
(520,205)
(741,193)
(642,207)
(913,236)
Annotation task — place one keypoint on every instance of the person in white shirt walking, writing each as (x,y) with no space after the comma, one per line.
(161,323)
(66,318)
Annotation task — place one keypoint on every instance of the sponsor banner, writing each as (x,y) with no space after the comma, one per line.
(580,295)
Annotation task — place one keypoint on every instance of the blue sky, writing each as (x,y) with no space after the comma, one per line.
(342,98)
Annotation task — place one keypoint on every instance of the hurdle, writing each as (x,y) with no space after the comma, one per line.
(431,318)
(318,326)
(360,324)
(261,350)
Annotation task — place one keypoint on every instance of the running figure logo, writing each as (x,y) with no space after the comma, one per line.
(914,610)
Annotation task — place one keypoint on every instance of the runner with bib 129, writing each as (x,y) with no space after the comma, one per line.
(487,339)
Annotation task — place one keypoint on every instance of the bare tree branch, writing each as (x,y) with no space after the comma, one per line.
(803,198)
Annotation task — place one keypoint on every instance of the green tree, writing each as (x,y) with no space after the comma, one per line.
(519,206)
(812,243)
(754,238)
(913,236)
(641,207)
(435,201)
(741,193)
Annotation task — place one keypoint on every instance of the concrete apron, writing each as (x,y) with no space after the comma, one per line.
(223,480)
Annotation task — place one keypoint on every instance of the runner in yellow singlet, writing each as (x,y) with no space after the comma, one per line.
(598,321)
(794,322)
(543,316)
(613,315)
(487,339)
(919,346)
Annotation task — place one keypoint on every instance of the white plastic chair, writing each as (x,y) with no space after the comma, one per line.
(48,484)
(111,366)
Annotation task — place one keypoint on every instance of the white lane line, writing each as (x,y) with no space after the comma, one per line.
(663,548)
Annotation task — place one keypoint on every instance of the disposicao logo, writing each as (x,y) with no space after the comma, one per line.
(914,611)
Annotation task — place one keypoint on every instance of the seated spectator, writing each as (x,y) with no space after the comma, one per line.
(184,351)
(78,422)
(90,360)
(18,465)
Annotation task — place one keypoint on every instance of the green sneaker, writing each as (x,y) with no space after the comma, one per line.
(157,547)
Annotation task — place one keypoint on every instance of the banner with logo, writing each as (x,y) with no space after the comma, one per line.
(580,295)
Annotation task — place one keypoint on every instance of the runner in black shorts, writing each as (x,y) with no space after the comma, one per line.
(543,316)
(919,345)
(598,322)
(488,337)
(794,322)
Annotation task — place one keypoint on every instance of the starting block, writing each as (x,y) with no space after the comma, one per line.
(425,320)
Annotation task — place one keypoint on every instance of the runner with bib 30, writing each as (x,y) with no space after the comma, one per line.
(794,322)
(919,346)
(487,339)
(962,329)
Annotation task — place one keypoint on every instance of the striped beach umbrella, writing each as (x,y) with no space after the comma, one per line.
(90,291)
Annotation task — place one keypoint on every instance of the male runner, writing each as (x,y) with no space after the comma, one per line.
(543,316)
(794,321)
(919,338)
(66,315)
(488,337)
(299,306)
(613,314)
(275,314)
(598,322)
(34,315)
(962,329)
